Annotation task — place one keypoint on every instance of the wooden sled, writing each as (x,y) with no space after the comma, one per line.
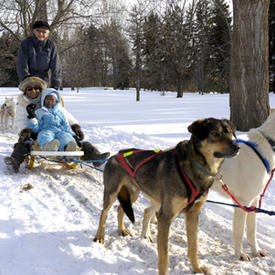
(59,155)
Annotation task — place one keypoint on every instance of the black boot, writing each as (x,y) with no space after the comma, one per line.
(18,155)
(91,153)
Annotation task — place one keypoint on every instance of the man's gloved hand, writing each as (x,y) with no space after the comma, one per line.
(78,132)
(31,110)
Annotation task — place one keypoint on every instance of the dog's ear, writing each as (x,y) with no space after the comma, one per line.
(198,129)
(231,125)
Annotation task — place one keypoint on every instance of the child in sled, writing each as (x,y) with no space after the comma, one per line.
(51,123)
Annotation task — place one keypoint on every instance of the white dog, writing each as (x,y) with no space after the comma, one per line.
(8,110)
(246,176)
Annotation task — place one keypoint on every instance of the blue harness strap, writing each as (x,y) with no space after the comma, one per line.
(253,146)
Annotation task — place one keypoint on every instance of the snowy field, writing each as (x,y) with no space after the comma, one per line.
(49,229)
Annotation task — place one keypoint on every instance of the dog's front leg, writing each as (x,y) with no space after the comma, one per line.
(251,226)
(12,125)
(191,219)
(163,245)
(6,121)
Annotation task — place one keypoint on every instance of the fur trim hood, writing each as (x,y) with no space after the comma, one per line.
(32,80)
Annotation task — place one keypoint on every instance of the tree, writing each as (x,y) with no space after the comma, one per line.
(8,52)
(249,98)
(117,50)
(135,30)
(220,41)
(153,53)
(202,44)
(177,35)
(272,45)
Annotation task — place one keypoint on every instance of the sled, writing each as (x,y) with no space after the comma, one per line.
(64,157)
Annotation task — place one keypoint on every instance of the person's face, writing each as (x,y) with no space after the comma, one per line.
(33,91)
(41,34)
(49,101)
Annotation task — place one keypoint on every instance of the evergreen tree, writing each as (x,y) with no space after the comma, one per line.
(177,36)
(153,53)
(220,42)
(202,45)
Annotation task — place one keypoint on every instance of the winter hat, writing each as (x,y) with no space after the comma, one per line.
(41,24)
(53,94)
(32,81)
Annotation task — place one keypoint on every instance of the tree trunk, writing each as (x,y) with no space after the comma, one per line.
(249,98)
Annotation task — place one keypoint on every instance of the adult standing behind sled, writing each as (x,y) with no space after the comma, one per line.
(32,88)
(38,56)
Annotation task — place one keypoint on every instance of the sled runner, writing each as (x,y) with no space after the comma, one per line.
(65,157)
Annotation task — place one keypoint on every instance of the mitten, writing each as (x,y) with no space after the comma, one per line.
(31,110)
(78,132)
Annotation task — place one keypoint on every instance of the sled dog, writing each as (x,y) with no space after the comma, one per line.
(175,180)
(246,176)
(8,109)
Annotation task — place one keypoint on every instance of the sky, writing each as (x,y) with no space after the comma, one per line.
(49,229)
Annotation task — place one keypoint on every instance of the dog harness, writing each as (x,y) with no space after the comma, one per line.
(192,194)
(253,146)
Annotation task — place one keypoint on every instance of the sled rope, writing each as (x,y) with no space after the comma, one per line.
(257,210)
(81,162)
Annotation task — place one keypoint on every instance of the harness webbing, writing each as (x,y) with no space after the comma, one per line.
(253,146)
(189,185)
(121,157)
(245,208)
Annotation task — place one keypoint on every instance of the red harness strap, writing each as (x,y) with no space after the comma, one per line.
(195,193)
(252,208)
(121,158)
(262,195)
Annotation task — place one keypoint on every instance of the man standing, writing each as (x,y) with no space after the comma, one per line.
(38,56)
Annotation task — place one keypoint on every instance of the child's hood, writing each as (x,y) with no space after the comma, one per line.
(47,92)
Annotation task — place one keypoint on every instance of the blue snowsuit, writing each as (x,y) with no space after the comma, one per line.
(51,123)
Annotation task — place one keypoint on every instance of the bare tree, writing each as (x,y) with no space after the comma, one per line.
(249,98)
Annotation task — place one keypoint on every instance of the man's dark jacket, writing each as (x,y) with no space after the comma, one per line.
(39,58)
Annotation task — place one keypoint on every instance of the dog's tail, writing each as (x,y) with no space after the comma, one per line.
(125,202)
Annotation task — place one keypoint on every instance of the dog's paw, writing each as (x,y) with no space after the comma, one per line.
(202,269)
(99,240)
(124,232)
(261,253)
(245,257)
(147,237)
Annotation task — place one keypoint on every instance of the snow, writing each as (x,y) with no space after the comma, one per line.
(49,229)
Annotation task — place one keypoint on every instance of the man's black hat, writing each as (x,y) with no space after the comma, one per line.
(41,24)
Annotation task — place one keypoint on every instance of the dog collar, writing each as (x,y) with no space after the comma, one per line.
(202,168)
(253,146)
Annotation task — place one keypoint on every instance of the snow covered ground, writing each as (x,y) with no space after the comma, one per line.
(49,229)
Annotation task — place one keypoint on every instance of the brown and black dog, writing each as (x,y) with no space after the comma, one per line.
(175,180)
